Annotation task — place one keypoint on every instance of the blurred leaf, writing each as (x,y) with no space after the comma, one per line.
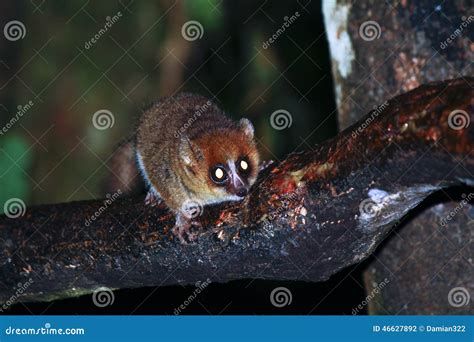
(15,160)
(262,70)
(207,12)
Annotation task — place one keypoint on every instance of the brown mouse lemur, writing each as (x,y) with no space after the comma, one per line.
(191,154)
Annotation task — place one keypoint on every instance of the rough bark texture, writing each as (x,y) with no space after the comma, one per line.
(306,218)
(381,49)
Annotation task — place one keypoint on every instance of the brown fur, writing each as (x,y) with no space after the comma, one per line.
(180,138)
(124,175)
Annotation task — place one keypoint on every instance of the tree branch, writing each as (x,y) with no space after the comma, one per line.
(305,219)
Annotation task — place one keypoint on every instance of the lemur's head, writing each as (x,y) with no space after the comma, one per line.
(223,162)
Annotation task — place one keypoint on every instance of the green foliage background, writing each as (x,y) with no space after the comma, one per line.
(55,154)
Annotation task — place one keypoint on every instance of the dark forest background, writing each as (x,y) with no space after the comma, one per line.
(53,153)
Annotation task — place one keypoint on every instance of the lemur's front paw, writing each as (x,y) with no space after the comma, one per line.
(182,229)
(184,233)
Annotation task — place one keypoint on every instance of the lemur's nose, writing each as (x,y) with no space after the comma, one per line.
(241,192)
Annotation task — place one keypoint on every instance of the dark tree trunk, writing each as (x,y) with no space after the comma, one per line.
(380,50)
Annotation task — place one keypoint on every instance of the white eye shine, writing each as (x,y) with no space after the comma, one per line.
(244,165)
(219,173)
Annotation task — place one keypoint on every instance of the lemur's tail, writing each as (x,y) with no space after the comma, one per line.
(124,174)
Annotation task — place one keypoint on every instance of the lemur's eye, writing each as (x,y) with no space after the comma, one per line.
(243,166)
(218,175)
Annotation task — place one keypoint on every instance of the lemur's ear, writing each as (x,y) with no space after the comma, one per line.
(189,152)
(246,127)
